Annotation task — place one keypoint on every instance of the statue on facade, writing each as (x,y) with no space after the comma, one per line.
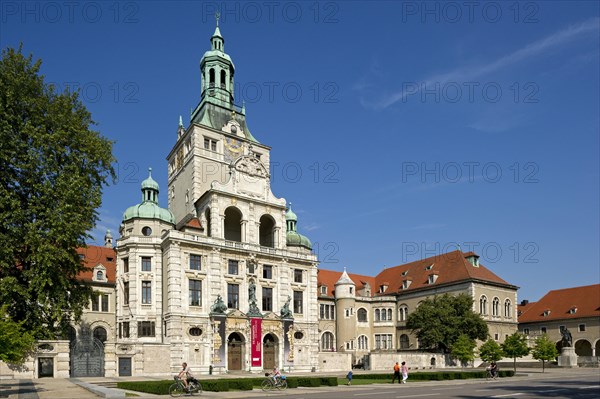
(567,338)
(252,292)
(285,312)
(219,306)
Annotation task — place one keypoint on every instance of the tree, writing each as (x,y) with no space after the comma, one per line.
(439,321)
(463,349)
(15,343)
(490,351)
(544,350)
(515,346)
(53,170)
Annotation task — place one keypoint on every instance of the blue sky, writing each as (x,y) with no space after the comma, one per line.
(398,129)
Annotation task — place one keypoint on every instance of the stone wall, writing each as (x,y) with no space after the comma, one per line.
(335,361)
(414,361)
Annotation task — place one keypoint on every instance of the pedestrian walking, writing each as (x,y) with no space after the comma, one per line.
(396,373)
(349,377)
(404,371)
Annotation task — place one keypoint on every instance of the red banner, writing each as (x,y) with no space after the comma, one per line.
(256,339)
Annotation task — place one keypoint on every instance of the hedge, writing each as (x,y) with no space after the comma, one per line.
(224,384)
(435,376)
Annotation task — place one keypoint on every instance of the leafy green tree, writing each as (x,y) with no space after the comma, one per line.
(490,351)
(439,321)
(15,343)
(515,346)
(544,350)
(463,349)
(54,167)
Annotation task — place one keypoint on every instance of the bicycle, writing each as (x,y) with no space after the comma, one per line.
(178,389)
(269,384)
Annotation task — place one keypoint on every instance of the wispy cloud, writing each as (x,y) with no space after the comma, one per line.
(468,73)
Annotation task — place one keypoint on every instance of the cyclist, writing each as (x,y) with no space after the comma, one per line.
(185,374)
(493,369)
(276,375)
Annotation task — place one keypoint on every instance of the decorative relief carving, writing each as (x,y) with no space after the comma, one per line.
(251,166)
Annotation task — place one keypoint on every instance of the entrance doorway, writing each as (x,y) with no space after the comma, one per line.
(124,367)
(45,367)
(269,351)
(235,343)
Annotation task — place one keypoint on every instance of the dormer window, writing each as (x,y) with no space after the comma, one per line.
(473,259)
(573,310)
(432,278)
(429,267)
(404,273)
(546,313)
(99,275)
(406,283)
(383,287)
(323,290)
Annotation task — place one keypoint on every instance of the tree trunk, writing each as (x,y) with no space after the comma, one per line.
(515,364)
(543,366)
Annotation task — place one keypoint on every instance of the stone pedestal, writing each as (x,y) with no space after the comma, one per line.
(567,357)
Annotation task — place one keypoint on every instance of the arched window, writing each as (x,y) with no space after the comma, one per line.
(404,342)
(496,307)
(99,275)
(361,314)
(233,224)
(208,224)
(383,315)
(389,314)
(483,305)
(327,341)
(403,312)
(363,342)
(507,309)
(223,79)
(211,74)
(267,231)
(377,315)
(100,334)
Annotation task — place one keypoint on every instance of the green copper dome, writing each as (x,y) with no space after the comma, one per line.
(293,238)
(149,208)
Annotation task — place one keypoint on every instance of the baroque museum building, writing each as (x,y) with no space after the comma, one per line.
(222,279)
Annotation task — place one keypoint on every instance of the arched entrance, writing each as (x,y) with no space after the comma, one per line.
(270,346)
(235,344)
(87,355)
(583,348)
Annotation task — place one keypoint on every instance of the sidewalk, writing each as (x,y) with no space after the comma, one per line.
(88,388)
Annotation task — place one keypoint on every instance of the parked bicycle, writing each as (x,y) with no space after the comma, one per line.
(178,389)
(269,383)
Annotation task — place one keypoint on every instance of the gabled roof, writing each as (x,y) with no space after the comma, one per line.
(586,301)
(451,267)
(94,255)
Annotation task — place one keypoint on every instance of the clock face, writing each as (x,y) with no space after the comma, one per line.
(233,149)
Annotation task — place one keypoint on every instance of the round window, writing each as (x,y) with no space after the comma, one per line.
(146,231)
(298,335)
(195,331)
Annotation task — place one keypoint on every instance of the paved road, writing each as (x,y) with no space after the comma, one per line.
(556,383)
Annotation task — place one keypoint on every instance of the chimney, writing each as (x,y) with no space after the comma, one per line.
(524,302)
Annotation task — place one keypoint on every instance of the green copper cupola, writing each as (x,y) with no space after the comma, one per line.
(148,208)
(293,238)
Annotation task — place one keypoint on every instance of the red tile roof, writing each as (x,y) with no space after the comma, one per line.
(585,299)
(451,267)
(93,255)
(522,308)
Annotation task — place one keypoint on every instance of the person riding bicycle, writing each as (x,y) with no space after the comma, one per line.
(185,374)
(493,369)
(276,375)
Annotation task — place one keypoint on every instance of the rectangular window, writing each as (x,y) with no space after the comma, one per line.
(125,265)
(267,299)
(146,329)
(95,303)
(323,290)
(297,276)
(326,312)
(233,296)
(267,271)
(146,264)
(526,331)
(298,302)
(581,327)
(195,293)
(251,268)
(146,292)
(496,337)
(105,302)
(126,293)
(543,329)
(125,329)
(195,262)
(232,267)
(210,144)
(383,341)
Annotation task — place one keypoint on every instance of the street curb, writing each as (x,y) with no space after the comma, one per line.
(99,390)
